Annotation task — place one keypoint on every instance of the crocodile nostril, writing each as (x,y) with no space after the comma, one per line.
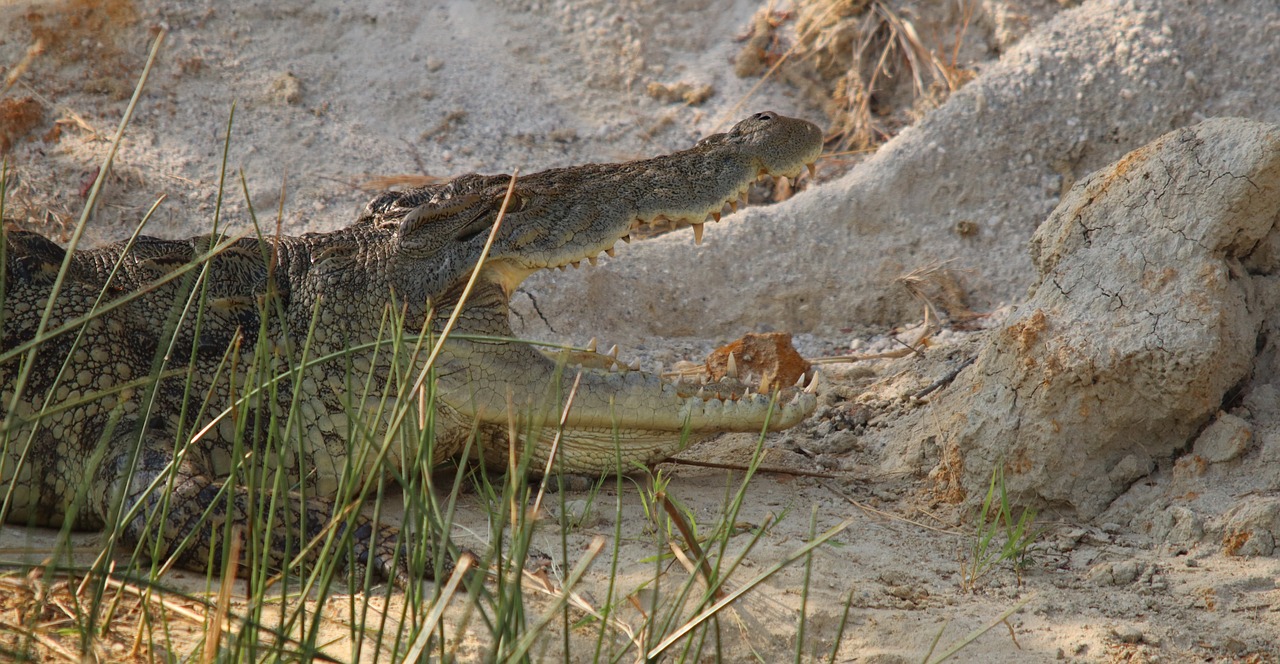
(765,115)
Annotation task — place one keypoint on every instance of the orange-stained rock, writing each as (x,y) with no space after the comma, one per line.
(768,360)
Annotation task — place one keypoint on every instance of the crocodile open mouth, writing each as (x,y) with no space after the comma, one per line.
(567,216)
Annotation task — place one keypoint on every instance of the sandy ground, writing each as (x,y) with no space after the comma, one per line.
(330,96)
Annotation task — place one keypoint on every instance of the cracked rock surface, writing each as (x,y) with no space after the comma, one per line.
(1143,317)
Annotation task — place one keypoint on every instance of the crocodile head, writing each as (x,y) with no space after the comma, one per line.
(557,218)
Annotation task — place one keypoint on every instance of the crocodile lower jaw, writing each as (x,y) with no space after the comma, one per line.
(633,403)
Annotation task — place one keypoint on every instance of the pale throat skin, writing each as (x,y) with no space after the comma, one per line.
(405,259)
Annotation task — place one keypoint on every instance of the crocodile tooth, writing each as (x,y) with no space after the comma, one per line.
(591,259)
(613,352)
(781,181)
(613,367)
(610,252)
(560,267)
(591,345)
(813,169)
(799,381)
(813,384)
(731,368)
(697,233)
(733,204)
(627,238)
(634,366)
(576,264)
(715,216)
(744,198)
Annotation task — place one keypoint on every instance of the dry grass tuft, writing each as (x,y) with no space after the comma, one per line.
(864,60)
(938,287)
(18,120)
(44,619)
(92,44)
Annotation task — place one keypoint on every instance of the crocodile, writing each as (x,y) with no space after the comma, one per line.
(148,385)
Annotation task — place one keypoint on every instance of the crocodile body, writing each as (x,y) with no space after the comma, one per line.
(139,379)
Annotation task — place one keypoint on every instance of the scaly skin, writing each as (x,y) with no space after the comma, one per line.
(177,380)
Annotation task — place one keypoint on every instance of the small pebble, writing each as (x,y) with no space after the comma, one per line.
(287,88)
(1127,634)
(579,513)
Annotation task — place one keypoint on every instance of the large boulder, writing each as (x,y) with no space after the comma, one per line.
(1142,318)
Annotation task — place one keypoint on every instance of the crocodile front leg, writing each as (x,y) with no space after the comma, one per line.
(174,508)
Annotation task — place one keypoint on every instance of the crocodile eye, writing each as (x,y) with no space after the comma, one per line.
(484,219)
(517,203)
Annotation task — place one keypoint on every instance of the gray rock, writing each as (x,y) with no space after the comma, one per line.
(1117,573)
(1127,634)
(1139,323)
(1178,525)
(580,513)
(1227,438)
(1251,526)
(286,88)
